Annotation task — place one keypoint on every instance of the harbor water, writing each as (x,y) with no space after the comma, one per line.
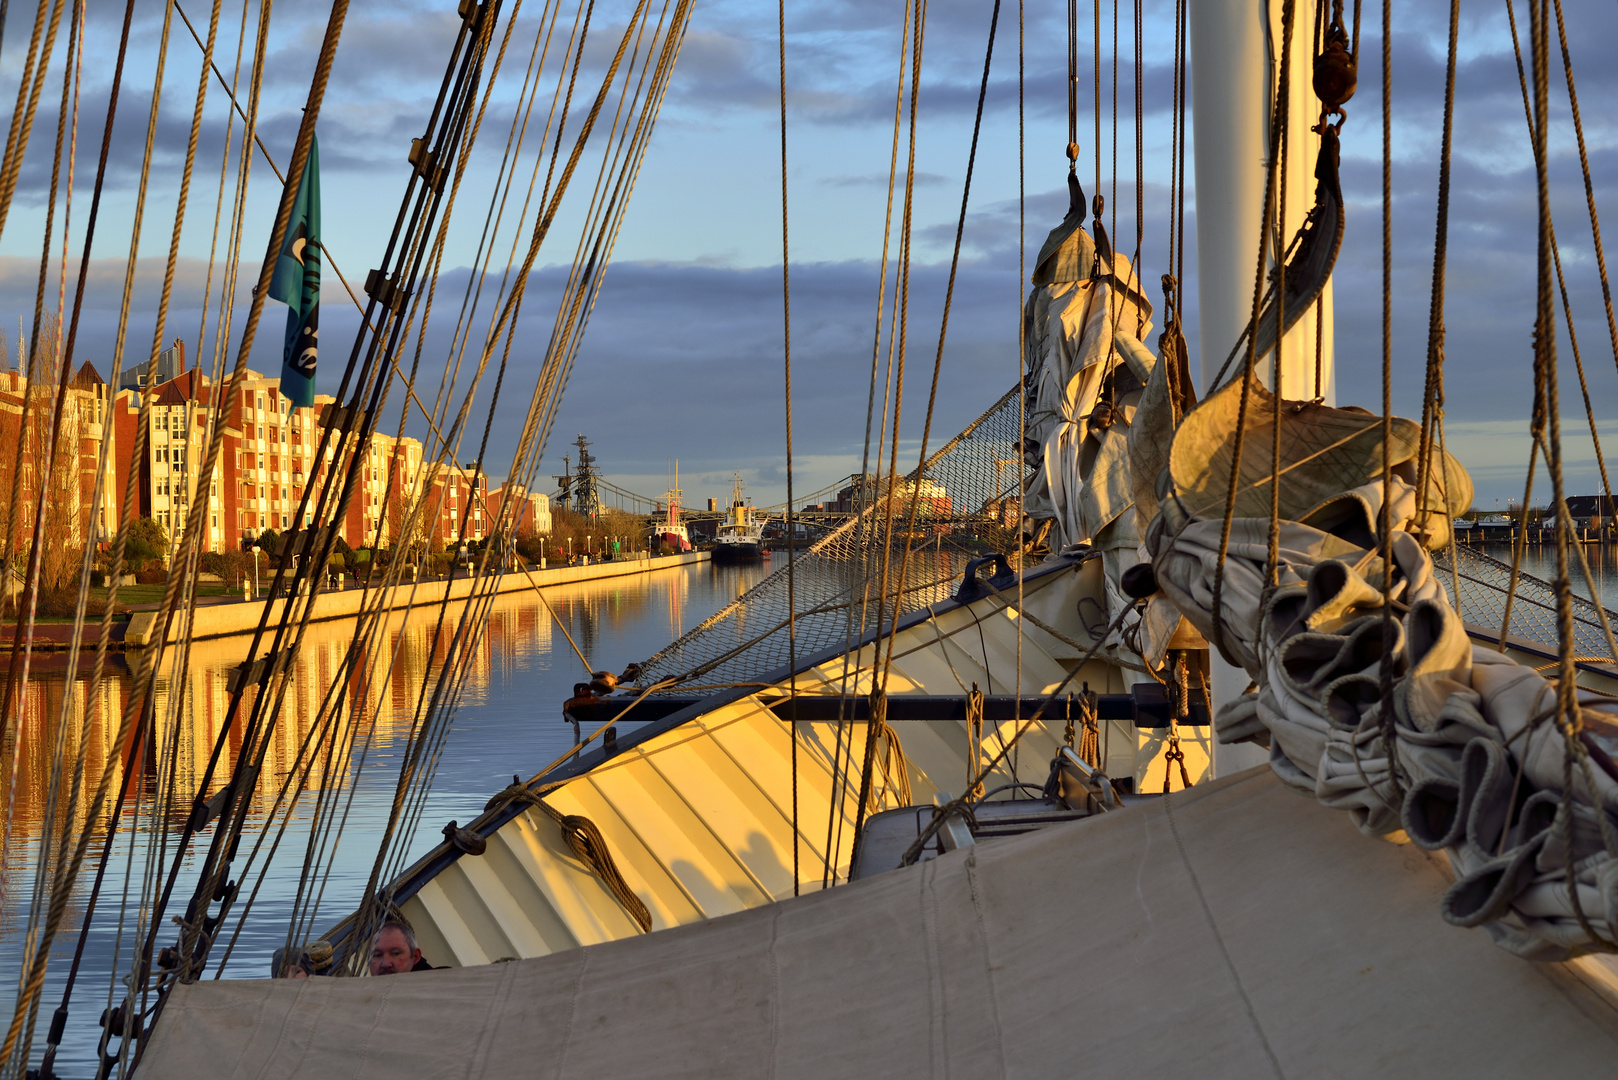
(509,722)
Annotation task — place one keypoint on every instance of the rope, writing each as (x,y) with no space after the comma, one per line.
(1432,404)
(943,331)
(28,91)
(584,839)
(1089,747)
(28,1002)
(786,360)
(1022,333)
(954,805)
(897,340)
(1601,257)
(1385,518)
(834,816)
(196,518)
(1567,708)
(1280,149)
(1277,123)
(1589,190)
(95,505)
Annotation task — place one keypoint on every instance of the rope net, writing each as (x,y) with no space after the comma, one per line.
(1484,584)
(967,504)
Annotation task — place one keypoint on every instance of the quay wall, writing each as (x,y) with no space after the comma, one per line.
(242,617)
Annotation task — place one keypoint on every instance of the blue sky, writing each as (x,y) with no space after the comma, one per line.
(683,356)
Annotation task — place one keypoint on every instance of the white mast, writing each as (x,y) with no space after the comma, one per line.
(1235,67)
(1234,70)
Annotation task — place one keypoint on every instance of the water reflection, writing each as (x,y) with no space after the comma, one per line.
(509,721)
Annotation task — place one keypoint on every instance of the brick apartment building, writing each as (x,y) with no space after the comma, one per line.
(269,455)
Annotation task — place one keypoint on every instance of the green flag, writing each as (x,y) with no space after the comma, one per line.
(297,285)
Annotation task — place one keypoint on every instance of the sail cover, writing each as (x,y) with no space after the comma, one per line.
(1234,926)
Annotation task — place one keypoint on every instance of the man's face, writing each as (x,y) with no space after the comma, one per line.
(391,953)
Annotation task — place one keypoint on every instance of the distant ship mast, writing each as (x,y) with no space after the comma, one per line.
(673,495)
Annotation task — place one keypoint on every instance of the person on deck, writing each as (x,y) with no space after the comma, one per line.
(394,950)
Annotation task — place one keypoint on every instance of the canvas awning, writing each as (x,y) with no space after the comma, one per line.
(1233,930)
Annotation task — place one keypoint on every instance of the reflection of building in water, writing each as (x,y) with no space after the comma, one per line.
(380,692)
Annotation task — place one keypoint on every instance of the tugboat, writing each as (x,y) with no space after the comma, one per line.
(741,536)
(669,534)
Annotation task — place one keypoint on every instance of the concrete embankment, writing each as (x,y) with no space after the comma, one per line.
(242,617)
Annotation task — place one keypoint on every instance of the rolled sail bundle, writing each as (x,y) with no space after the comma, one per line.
(1486,769)
(1086,322)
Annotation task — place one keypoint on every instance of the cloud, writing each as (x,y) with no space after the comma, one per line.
(880,180)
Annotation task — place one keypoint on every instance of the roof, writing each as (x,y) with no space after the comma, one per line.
(171,394)
(186,387)
(87,377)
(1585,505)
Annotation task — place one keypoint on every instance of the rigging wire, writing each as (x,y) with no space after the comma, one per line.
(1277,121)
(938,361)
(863,487)
(896,359)
(608,220)
(1385,515)
(29,87)
(52,465)
(27,998)
(786,359)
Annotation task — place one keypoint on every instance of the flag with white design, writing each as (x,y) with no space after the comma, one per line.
(297,284)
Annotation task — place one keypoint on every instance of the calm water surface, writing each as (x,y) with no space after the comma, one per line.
(509,722)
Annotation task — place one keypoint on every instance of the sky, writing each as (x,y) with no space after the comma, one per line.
(683,357)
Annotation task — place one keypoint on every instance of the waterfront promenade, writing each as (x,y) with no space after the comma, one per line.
(218,620)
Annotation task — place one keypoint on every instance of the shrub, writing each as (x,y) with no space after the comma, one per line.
(147,540)
(64,603)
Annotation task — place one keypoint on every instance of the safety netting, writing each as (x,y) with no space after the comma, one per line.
(1484,584)
(963,502)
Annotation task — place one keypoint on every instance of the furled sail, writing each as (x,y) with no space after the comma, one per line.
(1481,766)
(1085,321)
